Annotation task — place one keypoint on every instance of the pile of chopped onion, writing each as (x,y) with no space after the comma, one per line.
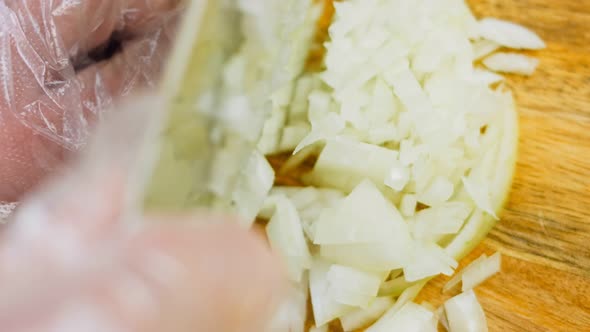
(415,144)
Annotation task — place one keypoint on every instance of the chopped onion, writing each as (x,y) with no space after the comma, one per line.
(292,135)
(339,165)
(394,287)
(352,286)
(454,281)
(483,48)
(478,190)
(442,318)
(324,328)
(285,235)
(363,317)
(251,190)
(325,308)
(486,77)
(464,313)
(395,118)
(291,314)
(365,216)
(447,218)
(428,259)
(398,177)
(439,191)
(480,270)
(408,205)
(509,34)
(410,318)
(511,63)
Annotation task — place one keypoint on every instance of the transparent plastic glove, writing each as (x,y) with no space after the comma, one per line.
(78,257)
(54,80)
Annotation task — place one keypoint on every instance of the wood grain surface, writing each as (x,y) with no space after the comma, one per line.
(544,233)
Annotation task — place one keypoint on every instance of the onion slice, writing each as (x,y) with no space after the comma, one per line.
(464,313)
(511,63)
(509,34)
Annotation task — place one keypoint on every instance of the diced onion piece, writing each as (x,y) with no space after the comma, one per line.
(398,177)
(291,314)
(268,207)
(328,126)
(252,187)
(352,286)
(324,328)
(407,87)
(408,205)
(394,287)
(363,317)
(480,270)
(292,135)
(464,313)
(410,318)
(511,63)
(479,192)
(442,317)
(456,279)
(447,218)
(407,296)
(377,256)
(344,163)
(428,259)
(483,48)
(365,216)
(439,191)
(325,308)
(509,34)
(285,235)
(486,77)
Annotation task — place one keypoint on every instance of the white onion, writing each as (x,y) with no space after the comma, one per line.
(480,270)
(509,34)
(395,118)
(352,286)
(408,205)
(285,235)
(486,77)
(456,279)
(291,314)
(447,218)
(410,318)
(478,190)
(483,47)
(324,328)
(426,260)
(439,191)
(511,63)
(251,191)
(464,313)
(364,216)
(364,316)
(376,256)
(394,287)
(325,308)
(344,163)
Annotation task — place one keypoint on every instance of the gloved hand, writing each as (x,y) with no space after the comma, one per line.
(78,257)
(55,79)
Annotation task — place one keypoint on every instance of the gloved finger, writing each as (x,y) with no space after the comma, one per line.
(64,29)
(137,66)
(49,110)
(215,277)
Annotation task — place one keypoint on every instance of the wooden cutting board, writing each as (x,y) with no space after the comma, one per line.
(544,234)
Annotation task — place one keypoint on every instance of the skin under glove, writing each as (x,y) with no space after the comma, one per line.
(61,63)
